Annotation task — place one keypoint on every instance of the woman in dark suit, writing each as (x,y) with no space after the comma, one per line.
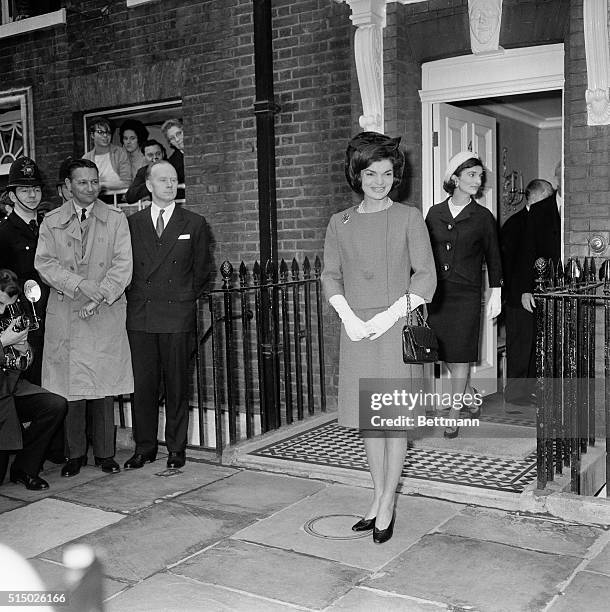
(374,254)
(463,234)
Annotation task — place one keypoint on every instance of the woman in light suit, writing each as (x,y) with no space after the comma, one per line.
(374,254)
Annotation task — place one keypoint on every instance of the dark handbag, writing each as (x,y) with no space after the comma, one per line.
(419,342)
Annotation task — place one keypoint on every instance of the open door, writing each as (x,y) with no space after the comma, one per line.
(456,130)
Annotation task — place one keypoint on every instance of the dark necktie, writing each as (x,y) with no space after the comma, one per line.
(160,225)
(83,214)
(34,228)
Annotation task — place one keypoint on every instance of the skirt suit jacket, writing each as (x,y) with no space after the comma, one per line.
(460,246)
(372,259)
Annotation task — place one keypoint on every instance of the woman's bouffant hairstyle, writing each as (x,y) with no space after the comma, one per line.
(367,148)
(8,282)
(135,126)
(473,162)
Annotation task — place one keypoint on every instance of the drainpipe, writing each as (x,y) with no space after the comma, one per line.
(265,109)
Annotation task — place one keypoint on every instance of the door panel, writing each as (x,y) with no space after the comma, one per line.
(459,130)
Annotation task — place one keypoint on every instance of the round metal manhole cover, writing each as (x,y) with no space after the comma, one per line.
(335,527)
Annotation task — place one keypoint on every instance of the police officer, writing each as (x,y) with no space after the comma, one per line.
(18,240)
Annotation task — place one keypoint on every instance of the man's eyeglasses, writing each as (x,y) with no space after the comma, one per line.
(101,132)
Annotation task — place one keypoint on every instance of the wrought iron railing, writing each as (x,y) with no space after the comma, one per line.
(572,366)
(267,349)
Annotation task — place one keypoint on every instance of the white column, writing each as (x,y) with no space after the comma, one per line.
(595,17)
(369,18)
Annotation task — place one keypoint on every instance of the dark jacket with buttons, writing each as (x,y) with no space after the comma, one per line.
(460,245)
(17,251)
(169,273)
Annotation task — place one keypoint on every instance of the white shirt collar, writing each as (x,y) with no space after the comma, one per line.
(167,212)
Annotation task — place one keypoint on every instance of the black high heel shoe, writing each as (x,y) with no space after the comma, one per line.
(451,432)
(364,525)
(383,535)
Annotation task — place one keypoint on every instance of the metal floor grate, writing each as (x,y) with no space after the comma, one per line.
(336,446)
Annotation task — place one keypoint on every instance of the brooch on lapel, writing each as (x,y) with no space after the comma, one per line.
(345,218)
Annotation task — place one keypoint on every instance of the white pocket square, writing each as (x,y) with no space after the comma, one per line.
(184,237)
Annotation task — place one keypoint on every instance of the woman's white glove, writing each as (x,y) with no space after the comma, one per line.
(494,305)
(355,327)
(381,322)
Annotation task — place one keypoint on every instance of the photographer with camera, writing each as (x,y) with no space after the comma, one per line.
(20,400)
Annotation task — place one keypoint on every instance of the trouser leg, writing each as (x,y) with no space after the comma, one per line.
(175,351)
(146,373)
(76,429)
(45,411)
(520,345)
(101,413)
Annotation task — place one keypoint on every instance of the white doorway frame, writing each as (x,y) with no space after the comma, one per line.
(470,77)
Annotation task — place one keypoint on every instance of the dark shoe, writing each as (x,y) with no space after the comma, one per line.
(176,459)
(73,466)
(451,432)
(364,525)
(108,465)
(138,460)
(33,483)
(383,535)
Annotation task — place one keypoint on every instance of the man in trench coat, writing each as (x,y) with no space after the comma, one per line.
(84,255)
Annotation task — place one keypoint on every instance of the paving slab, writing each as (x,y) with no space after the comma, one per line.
(146,542)
(367,600)
(601,562)
(53,576)
(415,517)
(132,490)
(487,576)
(165,591)
(522,531)
(253,492)
(49,523)
(8,503)
(271,572)
(57,484)
(587,591)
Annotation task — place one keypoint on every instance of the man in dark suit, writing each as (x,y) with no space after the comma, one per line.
(172,263)
(153,151)
(531,233)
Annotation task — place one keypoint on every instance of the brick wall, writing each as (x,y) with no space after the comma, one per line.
(587,153)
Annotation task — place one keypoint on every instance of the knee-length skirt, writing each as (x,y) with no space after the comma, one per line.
(380,358)
(455,316)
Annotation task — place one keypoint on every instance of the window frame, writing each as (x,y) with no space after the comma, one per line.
(30,24)
(23,96)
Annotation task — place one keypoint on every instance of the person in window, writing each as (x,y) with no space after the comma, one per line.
(132,134)
(112,161)
(21,401)
(374,254)
(463,235)
(153,151)
(172,130)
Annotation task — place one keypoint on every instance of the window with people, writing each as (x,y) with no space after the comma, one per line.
(17,10)
(123,143)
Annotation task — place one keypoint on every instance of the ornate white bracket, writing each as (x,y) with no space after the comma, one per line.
(485,19)
(369,18)
(595,17)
